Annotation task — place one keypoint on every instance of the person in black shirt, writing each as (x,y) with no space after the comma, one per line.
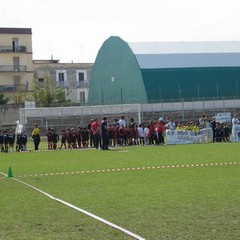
(55,139)
(104,134)
(24,141)
(85,137)
(1,141)
(63,139)
(11,139)
(19,142)
(213,126)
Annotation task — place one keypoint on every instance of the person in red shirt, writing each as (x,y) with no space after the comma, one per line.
(160,131)
(151,132)
(96,133)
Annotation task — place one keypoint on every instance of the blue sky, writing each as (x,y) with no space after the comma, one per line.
(74,30)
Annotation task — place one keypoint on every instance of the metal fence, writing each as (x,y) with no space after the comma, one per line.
(61,117)
(138,110)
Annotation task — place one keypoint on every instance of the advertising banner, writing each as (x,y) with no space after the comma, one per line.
(223,117)
(204,135)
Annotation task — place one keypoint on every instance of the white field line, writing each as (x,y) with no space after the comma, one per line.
(133,235)
(131,169)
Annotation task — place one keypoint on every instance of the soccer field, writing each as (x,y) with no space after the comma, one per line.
(155,192)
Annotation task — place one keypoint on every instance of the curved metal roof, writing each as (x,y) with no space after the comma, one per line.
(186,54)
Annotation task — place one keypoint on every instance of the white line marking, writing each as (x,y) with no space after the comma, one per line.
(80,210)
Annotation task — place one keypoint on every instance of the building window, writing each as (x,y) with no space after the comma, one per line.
(16,81)
(15,44)
(16,66)
(82,97)
(81,76)
(40,82)
(61,77)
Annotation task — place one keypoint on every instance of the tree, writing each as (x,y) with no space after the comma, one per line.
(3,99)
(47,94)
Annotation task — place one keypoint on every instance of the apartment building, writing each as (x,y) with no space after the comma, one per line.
(73,77)
(16,64)
(18,70)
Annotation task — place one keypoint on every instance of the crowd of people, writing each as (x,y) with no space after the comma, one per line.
(103,134)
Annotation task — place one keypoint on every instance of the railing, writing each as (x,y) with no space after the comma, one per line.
(14,88)
(81,84)
(163,109)
(12,68)
(64,84)
(67,84)
(10,49)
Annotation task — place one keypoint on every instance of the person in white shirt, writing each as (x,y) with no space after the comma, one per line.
(140,134)
(235,128)
(146,135)
(201,120)
(171,125)
(122,122)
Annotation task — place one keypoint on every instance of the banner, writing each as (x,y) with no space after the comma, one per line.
(223,117)
(204,135)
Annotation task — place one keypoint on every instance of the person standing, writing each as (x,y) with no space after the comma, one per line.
(140,134)
(122,122)
(55,139)
(63,139)
(90,133)
(5,141)
(151,132)
(49,138)
(104,134)
(73,138)
(171,124)
(235,128)
(11,139)
(85,137)
(146,134)
(24,141)
(213,126)
(160,131)
(96,134)
(36,136)
(201,121)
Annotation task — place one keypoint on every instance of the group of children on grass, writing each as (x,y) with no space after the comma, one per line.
(119,133)
(7,140)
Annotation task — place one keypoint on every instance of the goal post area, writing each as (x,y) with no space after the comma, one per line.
(82,114)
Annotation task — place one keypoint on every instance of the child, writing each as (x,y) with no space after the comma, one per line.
(63,139)
(55,139)
(24,141)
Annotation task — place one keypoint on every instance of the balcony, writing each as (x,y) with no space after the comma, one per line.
(14,88)
(82,84)
(62,84)
(13,49)
(11,68)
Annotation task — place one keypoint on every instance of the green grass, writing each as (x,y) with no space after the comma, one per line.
(171,203)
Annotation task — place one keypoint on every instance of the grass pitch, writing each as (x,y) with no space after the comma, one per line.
(159,192)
